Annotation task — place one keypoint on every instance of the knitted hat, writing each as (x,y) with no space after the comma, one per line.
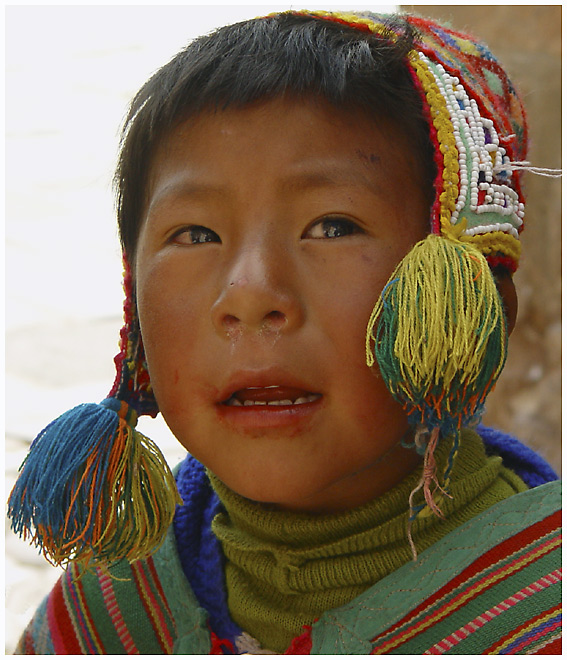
(95,490)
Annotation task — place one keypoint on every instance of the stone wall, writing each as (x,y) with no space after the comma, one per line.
(527,41)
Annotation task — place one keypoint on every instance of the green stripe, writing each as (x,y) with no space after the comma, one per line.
(133,612)
(190,619)
(514,617)
(157,607)
(131,608)
(99,614)
(126,596)
(537,643)
(502,623)
(509,620)
(474,579)
(348,629)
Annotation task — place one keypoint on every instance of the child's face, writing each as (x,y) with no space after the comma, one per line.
(269,234)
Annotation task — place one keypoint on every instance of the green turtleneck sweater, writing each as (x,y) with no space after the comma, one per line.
(284,569)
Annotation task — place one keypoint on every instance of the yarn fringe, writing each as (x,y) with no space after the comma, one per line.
(438,334)
(526,166)
(94,490)
(426,442)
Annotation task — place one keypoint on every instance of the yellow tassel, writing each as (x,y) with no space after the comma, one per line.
(438,333)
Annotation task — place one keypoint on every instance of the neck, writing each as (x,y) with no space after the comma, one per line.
(371,482)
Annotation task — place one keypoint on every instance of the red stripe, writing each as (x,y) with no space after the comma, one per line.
(61,625)
(28,645)
(553,648)
(531,622)
(502,120)
(502,550)
(114,612)
(157,582)
(454,638)
(88,626)
(154,613)
(532,640)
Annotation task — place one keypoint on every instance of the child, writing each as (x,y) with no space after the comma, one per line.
(291,189)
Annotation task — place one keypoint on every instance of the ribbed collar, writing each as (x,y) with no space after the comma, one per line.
(284,568)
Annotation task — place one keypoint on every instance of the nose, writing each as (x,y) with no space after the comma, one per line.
(258,294)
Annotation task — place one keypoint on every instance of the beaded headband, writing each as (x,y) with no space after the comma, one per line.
(477,129)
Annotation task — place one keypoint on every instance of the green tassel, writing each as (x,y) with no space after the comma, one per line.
(94,490)
(438,334)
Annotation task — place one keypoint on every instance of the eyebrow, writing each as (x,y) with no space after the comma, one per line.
(328,176)
(311,178)
(186,188)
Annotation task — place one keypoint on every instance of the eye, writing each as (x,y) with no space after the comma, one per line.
(195,234)
(332,227)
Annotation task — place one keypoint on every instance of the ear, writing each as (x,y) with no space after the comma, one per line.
(507,291)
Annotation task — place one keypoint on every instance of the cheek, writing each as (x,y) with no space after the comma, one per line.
(346,314)
(169,321)
(348,304)
(352,288)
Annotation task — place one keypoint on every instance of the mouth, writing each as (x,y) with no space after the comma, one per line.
(255,402)
(271,395)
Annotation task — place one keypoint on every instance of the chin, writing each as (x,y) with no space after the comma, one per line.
(300,492)
(283,491)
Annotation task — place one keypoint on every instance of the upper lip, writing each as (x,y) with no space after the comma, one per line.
(272,377)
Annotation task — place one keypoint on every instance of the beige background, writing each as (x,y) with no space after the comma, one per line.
(527,41)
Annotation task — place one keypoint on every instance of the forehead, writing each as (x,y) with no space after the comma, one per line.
(291,145)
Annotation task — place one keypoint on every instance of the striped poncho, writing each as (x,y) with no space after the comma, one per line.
(492,586)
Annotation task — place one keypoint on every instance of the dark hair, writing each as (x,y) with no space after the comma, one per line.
(286,54)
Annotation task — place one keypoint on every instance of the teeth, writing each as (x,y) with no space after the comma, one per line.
(284,402)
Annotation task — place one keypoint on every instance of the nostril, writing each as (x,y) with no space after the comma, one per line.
(275,319)
(232,327)
(230,322)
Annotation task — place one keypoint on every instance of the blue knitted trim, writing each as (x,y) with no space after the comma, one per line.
(519,458)
(198,548)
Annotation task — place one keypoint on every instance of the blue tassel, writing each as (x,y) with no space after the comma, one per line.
(92,489)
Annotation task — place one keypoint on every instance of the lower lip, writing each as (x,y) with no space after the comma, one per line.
(268,417)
